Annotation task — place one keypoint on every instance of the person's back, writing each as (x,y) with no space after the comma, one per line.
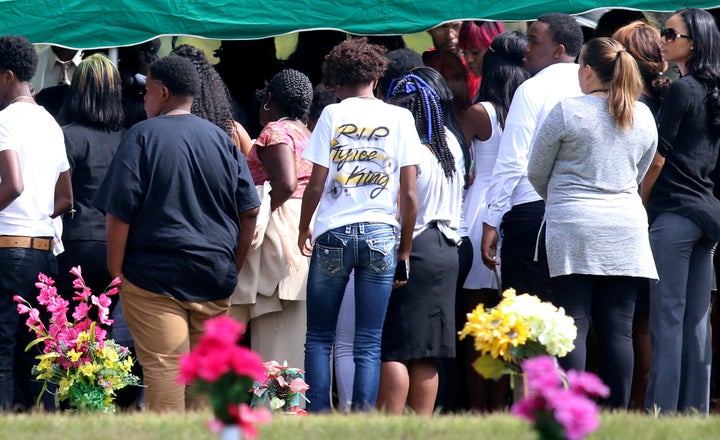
(34,187)
(360,158)
(42,157)
(362,167)
(555,41)
(181,212)
(184,225)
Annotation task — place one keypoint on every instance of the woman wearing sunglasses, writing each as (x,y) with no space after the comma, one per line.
(684,216)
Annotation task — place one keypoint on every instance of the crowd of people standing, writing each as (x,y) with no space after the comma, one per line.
(564,166)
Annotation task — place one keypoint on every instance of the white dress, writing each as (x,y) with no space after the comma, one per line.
(475,203)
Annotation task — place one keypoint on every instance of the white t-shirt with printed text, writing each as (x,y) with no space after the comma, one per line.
(363,143)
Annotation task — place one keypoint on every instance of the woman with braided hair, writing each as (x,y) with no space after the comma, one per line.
(420,322)
(213,101)
(270,293)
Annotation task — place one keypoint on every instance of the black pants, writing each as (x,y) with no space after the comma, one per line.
(520,228)
(610,302)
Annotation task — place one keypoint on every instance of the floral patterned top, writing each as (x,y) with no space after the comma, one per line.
(281,132)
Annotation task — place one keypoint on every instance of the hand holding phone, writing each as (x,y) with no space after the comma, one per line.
(402,271)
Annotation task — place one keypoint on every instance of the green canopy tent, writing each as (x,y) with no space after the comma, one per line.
(107,23)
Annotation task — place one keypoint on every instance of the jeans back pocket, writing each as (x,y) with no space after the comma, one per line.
(329,259)
(382,254)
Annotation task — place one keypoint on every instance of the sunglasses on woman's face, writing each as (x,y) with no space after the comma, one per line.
(670,34)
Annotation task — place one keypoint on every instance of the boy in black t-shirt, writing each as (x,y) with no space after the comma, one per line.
(181,210)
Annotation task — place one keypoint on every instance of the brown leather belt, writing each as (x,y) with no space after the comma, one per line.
(9,241)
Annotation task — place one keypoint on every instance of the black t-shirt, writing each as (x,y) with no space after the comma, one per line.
(690,148)
(180,183)
(89,151)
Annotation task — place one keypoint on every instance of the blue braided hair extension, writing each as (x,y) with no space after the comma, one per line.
(413,93)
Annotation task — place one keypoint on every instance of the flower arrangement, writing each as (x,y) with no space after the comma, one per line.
(225,371)
(281,389)
(559,404)
(518,328)
(77,356)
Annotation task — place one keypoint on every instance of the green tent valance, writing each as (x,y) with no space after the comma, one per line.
(105,23)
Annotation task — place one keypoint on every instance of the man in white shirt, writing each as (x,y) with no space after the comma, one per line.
(56,65)
(34,187)
(555,41)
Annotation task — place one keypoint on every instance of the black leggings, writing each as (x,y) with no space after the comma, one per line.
(610,302)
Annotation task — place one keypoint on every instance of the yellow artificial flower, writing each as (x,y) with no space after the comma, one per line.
(73,355)
(127,364)
(87,369)
(110,354)
(83,337)
(64,385)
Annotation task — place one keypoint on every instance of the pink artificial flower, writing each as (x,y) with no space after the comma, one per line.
(115,282)
(22,308)
(297,410)
(44,279)
(112,291)
(57,305)
(582,382)
(576,413)
(101,334)
(81,311)
(527,407)
(188,369)
(542,373)
(247,417)
(298,385)
(83,325)
(103,304)
(281,381)
(246,362)
(83,294)
(79,284)
(260,389)
(77,271)
(223,329)
(47,293)
(212,363)
(34,319)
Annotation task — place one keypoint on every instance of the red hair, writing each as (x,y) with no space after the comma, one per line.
(479,33)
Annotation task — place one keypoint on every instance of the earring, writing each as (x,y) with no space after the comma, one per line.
(266,107)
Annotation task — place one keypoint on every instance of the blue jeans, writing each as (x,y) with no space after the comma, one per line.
(370,250)
(680,316)
(19,270)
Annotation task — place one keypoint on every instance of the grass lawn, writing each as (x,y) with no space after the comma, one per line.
(375,427)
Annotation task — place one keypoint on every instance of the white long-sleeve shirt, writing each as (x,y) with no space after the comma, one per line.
(532,102)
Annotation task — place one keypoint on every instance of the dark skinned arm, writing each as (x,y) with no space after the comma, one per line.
(11,183)
(279,161)
(248,219)
(117,234)
(311,198)
(63,194)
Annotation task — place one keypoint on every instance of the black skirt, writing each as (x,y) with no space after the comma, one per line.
(420,320)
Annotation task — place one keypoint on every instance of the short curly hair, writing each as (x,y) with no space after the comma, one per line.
(178,74)
(18,55)
(354,62)
(293,92)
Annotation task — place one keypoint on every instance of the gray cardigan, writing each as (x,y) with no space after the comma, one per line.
(587,169)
